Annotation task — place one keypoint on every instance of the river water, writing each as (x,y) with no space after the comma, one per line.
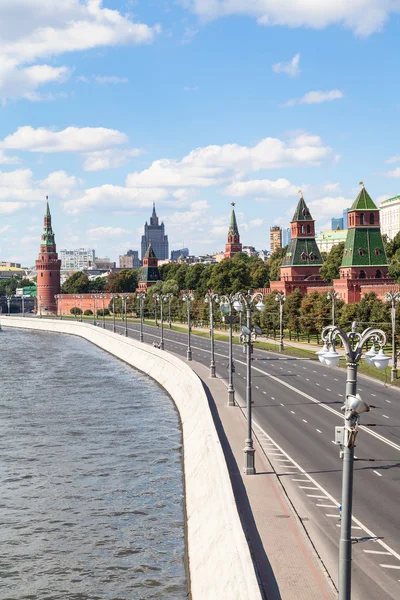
(91,484)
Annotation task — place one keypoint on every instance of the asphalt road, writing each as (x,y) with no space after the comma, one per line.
(296,407)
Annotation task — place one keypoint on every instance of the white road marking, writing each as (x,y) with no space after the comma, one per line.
(389,401)
(390,566)
(282,404)
(374,395)
(317,384)
(305,421)
(375,552)
(327,495)
(257,386)
(305,487)
(292,411)
(307,379)
(328,390)
(318,431)
(326,505)
(316,496)
(264,392)
(272,398)
(304,480)
(336,516)
(376,473)
(386,417)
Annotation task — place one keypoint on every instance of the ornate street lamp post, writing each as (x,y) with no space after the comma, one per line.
(94,308)
(209,299)
(169,297)
(8,304)
(354,406)
(75,298)
(40,307)
(59,305)
(281,298)
(114,298)
(124,301)
(159,298)
(188,298)
(333,296)
(81,298)
(393,298)
(141,296)
(103,297)
(249,301)
(227,302)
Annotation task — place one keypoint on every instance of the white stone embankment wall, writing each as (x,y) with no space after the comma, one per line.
(220,565)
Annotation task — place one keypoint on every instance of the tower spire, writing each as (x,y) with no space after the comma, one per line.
(233,246)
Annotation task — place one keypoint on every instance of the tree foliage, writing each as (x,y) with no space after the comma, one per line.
(330,269)
(274,263)
(124,281)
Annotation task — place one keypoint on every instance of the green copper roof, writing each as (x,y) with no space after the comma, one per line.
(301,252)
(302,213)
(47,235)
(233,228)
(363,201)
(364,247)
(150,252)
(47,211)
(149,274)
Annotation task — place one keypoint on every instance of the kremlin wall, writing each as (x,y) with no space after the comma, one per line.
(364,266)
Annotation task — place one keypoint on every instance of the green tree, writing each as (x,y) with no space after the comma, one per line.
(391,246)
(274,263)
(75,311)
(124,281)
(78,283)
(8,286)
(291,310)
(98,284)
(394,266)
(170,287)
(88,312)
(230,276)
(330,269)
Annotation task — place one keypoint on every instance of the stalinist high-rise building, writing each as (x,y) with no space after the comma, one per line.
(155,234)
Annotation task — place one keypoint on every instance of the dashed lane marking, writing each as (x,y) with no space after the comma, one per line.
(376,473)
(305,421)
(306,487)
(326,505)
(375,552)
(390,566)
(292,411)
(386,417)
(319,431)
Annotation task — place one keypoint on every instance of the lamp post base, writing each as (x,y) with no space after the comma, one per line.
(212,370)
(141,337)
(281,347)
(394,375)
(231,396)
(189,354)
(162,345)
(249,459)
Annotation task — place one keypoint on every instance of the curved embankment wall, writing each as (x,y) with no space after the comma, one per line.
(220,564)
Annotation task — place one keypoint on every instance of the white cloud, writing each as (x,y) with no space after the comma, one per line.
(5,228)
(214,165)
(59,182)
(71,139)
(393,159)
(8,160)
(258,187)
(109,159)
(256,222)
(291,68)
(98,233)
(50,28)
(7,208)
(113,197)
(103,79)
(395,174)
(315,97)
(362,16)
(328,206)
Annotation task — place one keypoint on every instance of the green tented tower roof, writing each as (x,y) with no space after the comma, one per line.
(302,252)
(363,201)
(233,228)
(302,212)
(150,252)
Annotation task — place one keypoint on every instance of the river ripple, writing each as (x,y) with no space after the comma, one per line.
(91,501)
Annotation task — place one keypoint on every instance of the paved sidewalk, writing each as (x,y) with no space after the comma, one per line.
(286,563)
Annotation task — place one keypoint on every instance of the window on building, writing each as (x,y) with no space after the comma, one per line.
(302,229)
(361,251)
(362,275)
(378,251)
(41,274)
(303,256)
(372,219)
(312,256)
(308,229)
(362,219)
(378,274)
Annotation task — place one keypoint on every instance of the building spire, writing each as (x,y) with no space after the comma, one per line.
(47,212)
(233,228)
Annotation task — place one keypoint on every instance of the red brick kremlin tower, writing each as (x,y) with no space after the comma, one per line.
(48,267)
(300,267)
(233,246)
(150,273)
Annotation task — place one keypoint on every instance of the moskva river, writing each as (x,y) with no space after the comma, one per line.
(91,483)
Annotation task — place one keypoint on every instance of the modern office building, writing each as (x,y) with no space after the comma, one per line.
(390,216)
(286,236)
(175,254)
(77,259)
(275,238)
(130,260)
(155,233)
(337,223)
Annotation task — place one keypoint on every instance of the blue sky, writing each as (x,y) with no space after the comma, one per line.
(109,106)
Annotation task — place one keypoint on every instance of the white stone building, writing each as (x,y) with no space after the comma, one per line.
(390,216)
(76,260)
